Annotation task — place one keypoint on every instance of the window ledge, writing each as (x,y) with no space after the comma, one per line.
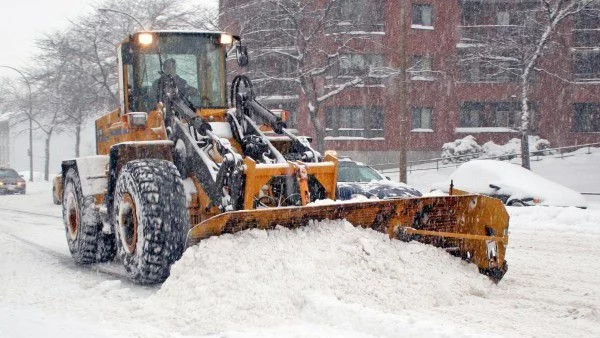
(484,130)
(421,27)
(421,130)
(422,78)
(353,138)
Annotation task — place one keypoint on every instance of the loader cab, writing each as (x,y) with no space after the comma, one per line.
(200,68)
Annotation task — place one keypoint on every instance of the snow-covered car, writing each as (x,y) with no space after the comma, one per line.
(356,179)
(513,184)
(11,182)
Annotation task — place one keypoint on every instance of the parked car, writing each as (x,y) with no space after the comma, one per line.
(57,189)
(513,184)
(355,179)
(11,182)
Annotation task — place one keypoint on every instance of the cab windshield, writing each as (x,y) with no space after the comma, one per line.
(196,62)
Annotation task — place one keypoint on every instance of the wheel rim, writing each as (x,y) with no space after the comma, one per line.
(72,216)
(128,224)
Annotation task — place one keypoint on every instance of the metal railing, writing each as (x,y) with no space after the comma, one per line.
(455,161)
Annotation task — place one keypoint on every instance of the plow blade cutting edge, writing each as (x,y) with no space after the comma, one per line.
(473,227)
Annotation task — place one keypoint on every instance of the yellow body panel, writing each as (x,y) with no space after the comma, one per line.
(114,128)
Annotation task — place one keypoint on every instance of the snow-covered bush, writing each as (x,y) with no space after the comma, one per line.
(539,146)
(466,149)
(502,152)
(461,150)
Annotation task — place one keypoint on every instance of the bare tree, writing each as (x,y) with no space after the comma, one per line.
(513,52)
(85,53)
(307,47)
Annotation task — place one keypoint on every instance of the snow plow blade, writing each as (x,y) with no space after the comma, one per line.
(473,227)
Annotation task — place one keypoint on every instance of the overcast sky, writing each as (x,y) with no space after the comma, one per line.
(22,21)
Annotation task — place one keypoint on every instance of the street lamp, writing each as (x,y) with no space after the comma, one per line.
(128,15)
(30,151)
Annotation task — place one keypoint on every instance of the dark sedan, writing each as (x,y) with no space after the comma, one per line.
(356,179)
(11,182)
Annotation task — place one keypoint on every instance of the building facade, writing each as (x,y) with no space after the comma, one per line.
(462,62)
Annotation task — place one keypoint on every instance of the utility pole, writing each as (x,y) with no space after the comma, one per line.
(30,116)
(403,95)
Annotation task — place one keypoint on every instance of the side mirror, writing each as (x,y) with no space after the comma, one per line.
(493,186)
(388,178)
(126,54)
(241,54)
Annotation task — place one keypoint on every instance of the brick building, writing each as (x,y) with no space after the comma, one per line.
(451,90)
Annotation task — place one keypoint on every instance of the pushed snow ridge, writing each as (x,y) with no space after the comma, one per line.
(262,277)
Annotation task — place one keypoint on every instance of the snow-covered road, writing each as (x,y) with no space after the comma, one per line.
(327,280)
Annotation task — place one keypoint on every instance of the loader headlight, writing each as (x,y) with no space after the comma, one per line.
(145,39)
(137,119)
(225,39)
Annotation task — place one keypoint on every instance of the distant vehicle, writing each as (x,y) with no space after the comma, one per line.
(57,189)
(513,184)
(356,179)
(11,182)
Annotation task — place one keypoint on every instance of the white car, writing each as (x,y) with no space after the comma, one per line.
(513,184)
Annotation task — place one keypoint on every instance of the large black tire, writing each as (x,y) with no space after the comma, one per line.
(150,219)
(83,226)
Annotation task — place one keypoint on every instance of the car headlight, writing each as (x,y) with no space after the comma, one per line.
(21,183)
(1,183)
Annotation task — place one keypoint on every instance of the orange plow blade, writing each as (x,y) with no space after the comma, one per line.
(473,227)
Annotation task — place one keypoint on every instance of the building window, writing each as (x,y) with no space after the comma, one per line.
(586,65)
(422,16)
(421,67)
(503,18)
(361,11)
(356,64)
(490,115)
(363,122)
(586,117)
(421,118)
(474,68)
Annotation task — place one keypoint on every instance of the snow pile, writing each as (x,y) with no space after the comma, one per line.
(328,273)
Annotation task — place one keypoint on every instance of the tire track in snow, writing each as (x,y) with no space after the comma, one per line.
(30,213)
(110,269)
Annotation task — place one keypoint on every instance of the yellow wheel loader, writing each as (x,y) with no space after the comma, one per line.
(178,162)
